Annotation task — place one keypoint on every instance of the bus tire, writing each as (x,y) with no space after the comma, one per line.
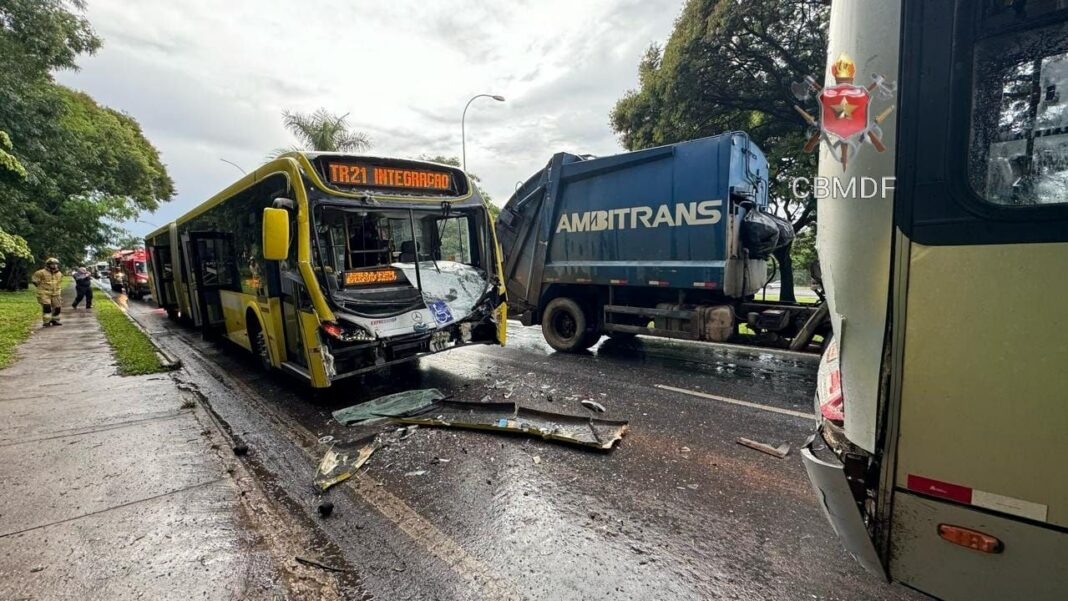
(257,339)
(565,326)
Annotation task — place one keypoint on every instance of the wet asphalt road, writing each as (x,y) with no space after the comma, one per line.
(678,510)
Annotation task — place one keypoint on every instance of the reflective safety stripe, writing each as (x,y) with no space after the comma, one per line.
(977,498)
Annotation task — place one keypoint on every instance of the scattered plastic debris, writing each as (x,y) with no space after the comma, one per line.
(392,405)
(537,460)
(593,406)
(780,451)
(415,473)
(336,467)
(510,417)
(326,439)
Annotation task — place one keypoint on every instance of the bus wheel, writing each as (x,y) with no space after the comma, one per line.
(565,327)
(258,338)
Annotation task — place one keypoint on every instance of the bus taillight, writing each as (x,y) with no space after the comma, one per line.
(972,539)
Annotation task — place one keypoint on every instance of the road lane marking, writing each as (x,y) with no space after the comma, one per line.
(703,395)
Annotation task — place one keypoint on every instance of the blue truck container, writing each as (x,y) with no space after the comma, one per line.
(646,242)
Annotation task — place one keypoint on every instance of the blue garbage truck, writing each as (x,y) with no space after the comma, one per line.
(671,241)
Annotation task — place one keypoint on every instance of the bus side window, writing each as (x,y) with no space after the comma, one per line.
(1019,133)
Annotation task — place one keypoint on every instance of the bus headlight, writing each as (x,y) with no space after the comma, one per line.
(347,332)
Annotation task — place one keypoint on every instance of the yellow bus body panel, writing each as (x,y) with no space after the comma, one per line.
(316,369)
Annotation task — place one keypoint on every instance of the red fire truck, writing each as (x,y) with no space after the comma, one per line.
(135,274)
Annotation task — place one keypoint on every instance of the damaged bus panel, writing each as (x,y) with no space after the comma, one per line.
(329,265)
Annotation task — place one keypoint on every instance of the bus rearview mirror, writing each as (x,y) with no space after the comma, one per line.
(275,234)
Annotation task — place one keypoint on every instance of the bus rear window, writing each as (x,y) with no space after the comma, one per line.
(1019,134)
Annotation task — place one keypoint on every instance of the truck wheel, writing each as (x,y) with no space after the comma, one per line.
(564,326)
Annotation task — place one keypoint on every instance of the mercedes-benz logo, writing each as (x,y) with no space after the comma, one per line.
(417,317)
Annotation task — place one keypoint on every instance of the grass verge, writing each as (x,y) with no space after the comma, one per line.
(19,311)
(135,353)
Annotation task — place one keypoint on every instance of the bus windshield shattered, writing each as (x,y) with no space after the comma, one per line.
(380,264)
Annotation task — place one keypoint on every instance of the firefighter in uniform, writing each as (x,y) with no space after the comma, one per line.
(49,283)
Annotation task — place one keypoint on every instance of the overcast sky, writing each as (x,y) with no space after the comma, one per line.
(208,80)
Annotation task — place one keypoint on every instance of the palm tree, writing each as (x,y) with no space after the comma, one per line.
(322,131)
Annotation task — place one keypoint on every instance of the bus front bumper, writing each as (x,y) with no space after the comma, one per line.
(828,478)
(365,358)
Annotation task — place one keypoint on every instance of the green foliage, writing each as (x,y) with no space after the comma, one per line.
(8,162)
(455,162)
(804,251)
(728,66)
(85,165)
(18,312)
(322,131)
(133,350)
(37,36)
(13,248)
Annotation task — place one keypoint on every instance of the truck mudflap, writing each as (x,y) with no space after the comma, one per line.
(828,479)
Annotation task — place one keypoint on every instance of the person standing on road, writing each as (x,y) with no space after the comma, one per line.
(83,285)
(49,284)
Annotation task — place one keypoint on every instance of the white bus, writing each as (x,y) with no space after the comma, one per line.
(942,456)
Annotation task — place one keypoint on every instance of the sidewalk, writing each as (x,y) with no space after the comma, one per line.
(109,487)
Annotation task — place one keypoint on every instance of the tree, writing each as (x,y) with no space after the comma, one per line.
(728,65)
(13,248)
(322,131)
(86,166)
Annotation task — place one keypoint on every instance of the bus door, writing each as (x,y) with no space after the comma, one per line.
(295,300)
(978,432)
(163,273)
(213,268)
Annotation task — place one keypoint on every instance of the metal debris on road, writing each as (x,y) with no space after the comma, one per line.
(510,417)
(391,405)
(780,451)
(336,467)
(593,406)
(316,564)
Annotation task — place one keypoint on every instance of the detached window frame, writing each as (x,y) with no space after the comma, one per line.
(1018,137)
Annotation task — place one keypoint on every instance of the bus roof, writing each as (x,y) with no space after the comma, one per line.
(306,162)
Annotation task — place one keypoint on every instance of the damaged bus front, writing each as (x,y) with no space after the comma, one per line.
(404,280)
(327,265)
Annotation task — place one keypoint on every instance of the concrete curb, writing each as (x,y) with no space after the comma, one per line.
(167,360)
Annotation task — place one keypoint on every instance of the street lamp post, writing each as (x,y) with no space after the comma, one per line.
(236,166)
(463,119)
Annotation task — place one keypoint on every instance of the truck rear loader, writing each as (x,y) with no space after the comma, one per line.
(670,241)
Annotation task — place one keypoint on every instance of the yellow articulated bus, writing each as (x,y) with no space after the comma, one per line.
(331,265)
(942,452)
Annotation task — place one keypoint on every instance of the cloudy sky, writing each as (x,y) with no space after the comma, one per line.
(208,80)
